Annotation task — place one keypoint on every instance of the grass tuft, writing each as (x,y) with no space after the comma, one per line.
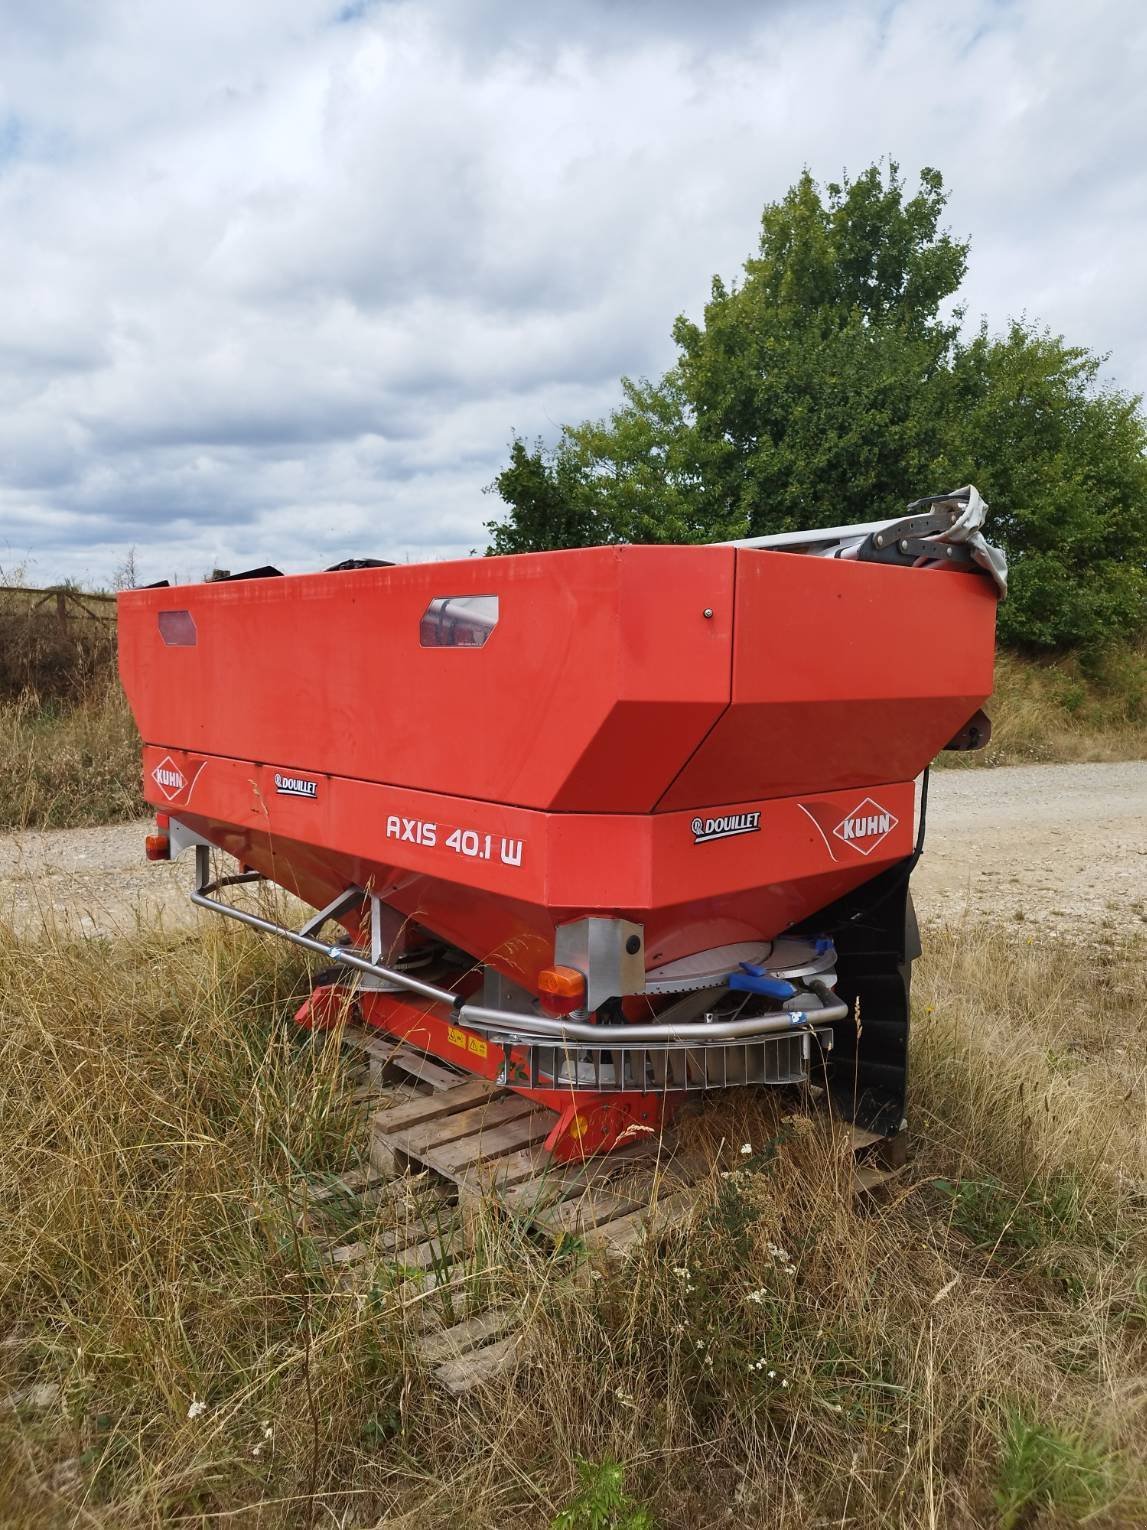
(1043,1468)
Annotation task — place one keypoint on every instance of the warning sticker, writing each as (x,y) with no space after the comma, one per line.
(468,1043)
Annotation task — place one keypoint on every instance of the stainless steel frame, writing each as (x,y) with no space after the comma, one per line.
(509,1027)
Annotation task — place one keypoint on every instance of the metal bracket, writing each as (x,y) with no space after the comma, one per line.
(334,910)
(182,838)
(906,540)
(609,952)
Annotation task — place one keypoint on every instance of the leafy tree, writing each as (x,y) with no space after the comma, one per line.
(549,501)
(1060,458)
(832,385)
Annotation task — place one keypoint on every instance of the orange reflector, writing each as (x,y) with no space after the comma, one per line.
(157,847)
(561,989)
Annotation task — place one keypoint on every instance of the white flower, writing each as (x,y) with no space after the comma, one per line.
(197,1408)
(708,1359)
(784,1383)
(746,1149)
(772,1375)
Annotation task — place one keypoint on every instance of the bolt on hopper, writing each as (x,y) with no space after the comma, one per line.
(610,826)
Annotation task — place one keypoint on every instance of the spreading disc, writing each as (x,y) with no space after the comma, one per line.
(780,958)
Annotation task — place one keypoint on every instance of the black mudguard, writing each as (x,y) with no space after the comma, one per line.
(877,940)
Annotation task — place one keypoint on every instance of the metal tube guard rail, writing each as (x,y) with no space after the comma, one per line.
(506,1024)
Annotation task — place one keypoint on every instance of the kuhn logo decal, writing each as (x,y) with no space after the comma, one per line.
(170,778)
(726,827)
(295,786)
(866,827)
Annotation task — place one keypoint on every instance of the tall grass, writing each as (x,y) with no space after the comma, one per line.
(68,764)
(69,750)
(1061,711)
(173,1350)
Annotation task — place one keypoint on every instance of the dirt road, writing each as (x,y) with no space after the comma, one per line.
(1056,843)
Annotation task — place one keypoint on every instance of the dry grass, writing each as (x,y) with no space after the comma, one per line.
(1061,711)
(69,750)
(65,765)
(55,659)
(968,1352)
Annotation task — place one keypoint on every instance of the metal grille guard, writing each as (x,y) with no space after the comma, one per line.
(503,1025)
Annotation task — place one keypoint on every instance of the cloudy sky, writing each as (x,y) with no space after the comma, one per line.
(281,277)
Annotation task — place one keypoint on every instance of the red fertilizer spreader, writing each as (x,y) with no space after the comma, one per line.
(608,826)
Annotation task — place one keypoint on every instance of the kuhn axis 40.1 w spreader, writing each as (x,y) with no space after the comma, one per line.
(608,826)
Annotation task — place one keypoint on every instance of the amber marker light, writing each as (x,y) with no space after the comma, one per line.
(157,846)
(561,989)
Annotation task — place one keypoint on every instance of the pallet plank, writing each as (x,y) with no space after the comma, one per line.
(859,1138)
(480,1121)
(388,1051)
(455,1158)
(351,1183)
(459,1376)
(526,1164)
(618,1236)
(431,1107)
(867,1177)
(642,1170)
(464,1337)
(584,1211)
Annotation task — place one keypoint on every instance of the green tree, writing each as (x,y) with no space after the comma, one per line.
(549,500)
(1060,458)
(831,384)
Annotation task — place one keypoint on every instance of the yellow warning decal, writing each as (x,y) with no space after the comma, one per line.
(468,1043)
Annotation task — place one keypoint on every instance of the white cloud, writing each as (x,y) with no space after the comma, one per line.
(279,287)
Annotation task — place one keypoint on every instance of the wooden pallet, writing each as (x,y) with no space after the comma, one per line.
(876,1160)
(389,1060)
(489,1144)
(482,1146)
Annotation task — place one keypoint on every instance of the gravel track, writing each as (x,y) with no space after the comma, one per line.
(1055,844)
